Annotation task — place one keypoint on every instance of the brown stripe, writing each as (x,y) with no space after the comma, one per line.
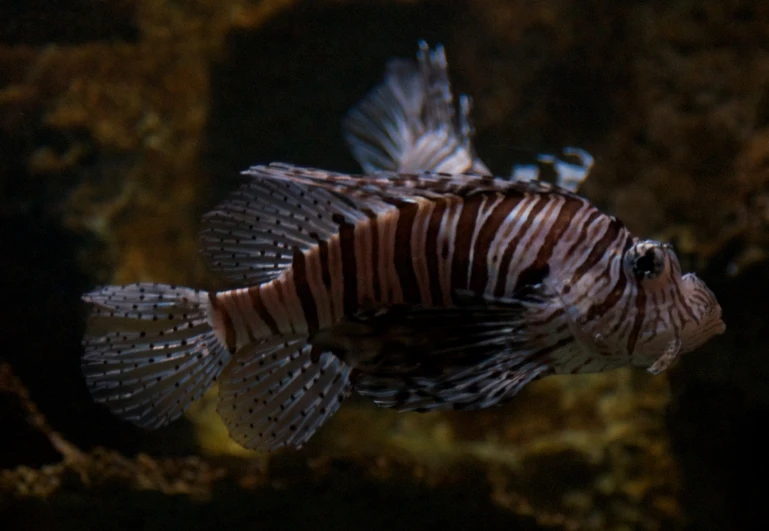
(675,317)
(582,238)
(479,274)
(374,239)
(279,290)
(242,301)
(462,241)
(303,292)
(349,268)
(539,270)
(261,310)
(563,221)
(684,303)
(656,316)
(333,264)
(229,329)
(598,309)
(504,265)
(325,273)
(391,289)
(599,249)
(404,266)
(431,251)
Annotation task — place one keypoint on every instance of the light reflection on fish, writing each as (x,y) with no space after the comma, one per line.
(423,290)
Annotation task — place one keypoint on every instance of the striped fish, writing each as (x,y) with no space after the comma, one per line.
(421,291)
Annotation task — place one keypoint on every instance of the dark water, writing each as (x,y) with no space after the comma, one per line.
(122,121)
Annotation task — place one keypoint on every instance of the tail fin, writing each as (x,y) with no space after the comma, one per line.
(150,350)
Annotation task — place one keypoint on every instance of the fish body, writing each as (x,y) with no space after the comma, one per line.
(421,290)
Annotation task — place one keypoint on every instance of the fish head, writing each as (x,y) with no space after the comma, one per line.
(675,313)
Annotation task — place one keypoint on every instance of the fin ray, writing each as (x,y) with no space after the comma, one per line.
(381,190)
(470,356)
(408,123)
(498,379)
(252,236)
(277,395)
(160,356)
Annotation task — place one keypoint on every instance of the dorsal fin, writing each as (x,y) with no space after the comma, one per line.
(392,186)
(408,123)
(252,236)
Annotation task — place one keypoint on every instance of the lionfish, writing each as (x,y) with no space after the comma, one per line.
(423,284)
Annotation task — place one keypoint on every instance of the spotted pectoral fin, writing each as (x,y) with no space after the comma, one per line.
(463,357)
(490,382)
(404,339)
(399,338)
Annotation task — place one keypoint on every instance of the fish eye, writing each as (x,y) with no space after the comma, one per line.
(647,260)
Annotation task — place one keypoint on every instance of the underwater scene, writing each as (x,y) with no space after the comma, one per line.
(384,264)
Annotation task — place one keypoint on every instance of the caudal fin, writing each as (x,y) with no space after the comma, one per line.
(150,350)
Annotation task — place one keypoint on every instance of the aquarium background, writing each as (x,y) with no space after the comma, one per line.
(122,121)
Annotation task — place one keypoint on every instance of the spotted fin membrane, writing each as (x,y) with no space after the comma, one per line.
(276,395)
(150,351)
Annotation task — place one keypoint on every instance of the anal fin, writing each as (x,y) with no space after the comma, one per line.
(278,393)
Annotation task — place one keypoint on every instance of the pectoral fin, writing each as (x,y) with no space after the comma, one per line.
(462,357)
